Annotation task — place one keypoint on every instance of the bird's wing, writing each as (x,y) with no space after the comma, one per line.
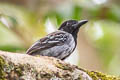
(54,39)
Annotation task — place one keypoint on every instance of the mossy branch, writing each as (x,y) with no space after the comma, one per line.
(16,66)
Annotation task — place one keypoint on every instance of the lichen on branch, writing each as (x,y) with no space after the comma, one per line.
(16,66)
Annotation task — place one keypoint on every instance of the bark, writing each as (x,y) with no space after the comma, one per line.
(16,66)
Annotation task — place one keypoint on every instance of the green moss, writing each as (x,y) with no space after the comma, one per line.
(18,70)
(2,73)
(64,66)
(7,70)
(98,75)
(46,75)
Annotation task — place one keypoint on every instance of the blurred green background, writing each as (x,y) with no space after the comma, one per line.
(22,22)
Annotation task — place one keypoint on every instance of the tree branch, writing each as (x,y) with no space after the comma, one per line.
(16,66)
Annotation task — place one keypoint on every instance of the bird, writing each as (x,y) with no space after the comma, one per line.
(59,44)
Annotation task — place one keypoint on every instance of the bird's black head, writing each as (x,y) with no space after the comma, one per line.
(72,26)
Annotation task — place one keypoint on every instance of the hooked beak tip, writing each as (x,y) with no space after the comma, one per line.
(82,22)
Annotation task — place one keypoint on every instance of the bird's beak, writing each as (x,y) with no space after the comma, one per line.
(80,23)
